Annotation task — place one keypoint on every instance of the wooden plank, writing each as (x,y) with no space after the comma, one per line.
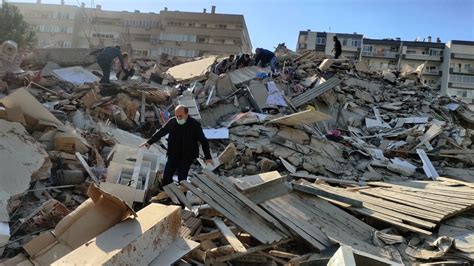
(214,234)
(319,191)
(380,217)
(229,236)
(241,223)
(235,212)
(255,220)
(138,167)
(342,257)
(278,260)
(88,169)
(407,200)
(404,217)
(181,197)
(250,183)
(327,179)
(439,198)
(170,193)
(454,181)
(311,234)
(251,250)
(328,210)
(427,191)
(389,205)
(268,192)
(245,200)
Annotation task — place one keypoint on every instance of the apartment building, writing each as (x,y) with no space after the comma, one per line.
(458,70)
(416,53)
(323,43)
(381,54)
(54,25)
(176,33)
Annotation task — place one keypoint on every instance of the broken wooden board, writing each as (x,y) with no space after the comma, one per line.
(249,183)
(319,191)
(229,236)
(431,133)
(195,70)
(301,118)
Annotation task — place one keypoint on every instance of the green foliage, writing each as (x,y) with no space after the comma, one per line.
(13,27)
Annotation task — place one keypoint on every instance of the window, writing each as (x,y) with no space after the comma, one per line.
(302,46)
(435,52)
(192,24)
(367,50)
(203,25)
(355,43)
(178,37)
(172,51)
(220,41)
(201,40)
(321,40)
(221,26)
(102,35)
(462,79)
(140,53)
(344,41)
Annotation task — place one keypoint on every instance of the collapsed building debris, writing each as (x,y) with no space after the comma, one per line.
(324,162)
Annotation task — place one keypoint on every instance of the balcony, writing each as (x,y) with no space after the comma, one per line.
(422,57)
(432,72)
(383,54)
(463,56)
(469,71)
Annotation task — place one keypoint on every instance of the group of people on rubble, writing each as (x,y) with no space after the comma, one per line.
(262,57)
(124,69)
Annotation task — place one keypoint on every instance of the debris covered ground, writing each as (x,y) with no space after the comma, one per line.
(324,162)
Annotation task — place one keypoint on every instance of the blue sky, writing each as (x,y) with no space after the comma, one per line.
(274,21)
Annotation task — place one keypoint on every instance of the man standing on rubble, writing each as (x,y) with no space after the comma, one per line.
(105,59)
(265,57)
(337,47)
(184,133)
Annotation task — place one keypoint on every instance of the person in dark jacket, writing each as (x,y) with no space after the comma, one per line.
(265,57)
(337,47)
(105,59)
(224,65)
(184,133)
(243,61)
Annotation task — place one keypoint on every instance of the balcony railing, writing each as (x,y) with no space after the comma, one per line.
(469,70)
(463,56)
(385,54)
(423,57)
(432,72)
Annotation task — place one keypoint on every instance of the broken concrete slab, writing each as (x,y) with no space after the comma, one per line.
(191,71)
(22,159)
(134,241)
(63,56)
(244,74)
(314,92)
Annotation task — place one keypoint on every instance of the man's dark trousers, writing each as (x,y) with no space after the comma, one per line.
(105,64)
(174,165)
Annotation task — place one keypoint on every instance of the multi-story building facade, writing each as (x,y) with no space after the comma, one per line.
(180,34)
(417,53)
(381,54)
(323,43)
(458,69)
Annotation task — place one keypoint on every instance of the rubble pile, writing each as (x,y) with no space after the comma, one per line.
(322,162)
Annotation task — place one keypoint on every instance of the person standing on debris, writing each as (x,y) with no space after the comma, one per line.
(337,47)
(105,59)
(224,65)
(184,133)
(265,57)
(127,71)
(243,61)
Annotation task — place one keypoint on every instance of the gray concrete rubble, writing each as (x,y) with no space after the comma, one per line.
(323,161)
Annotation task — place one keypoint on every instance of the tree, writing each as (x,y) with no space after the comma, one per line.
(13,27)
